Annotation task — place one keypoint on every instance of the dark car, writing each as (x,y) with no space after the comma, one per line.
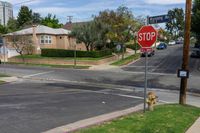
(162,46)
(149,53)
(195,53)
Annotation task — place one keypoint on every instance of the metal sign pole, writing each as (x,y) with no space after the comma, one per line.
(145,77)
(75,56)
(145,82)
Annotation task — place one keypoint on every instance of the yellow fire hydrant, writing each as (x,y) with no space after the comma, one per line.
(151,100)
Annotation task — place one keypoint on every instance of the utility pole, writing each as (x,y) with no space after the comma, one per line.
(185,60)
(69,18)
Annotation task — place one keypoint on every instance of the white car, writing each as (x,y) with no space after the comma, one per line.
(172,42)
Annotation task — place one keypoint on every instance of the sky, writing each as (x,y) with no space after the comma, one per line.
(82,10)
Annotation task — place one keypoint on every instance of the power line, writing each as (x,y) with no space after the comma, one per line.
(28,1)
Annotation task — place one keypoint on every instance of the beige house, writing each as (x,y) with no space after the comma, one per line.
(46,37)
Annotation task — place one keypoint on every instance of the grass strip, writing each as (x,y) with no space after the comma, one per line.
(49,65)
(3,75)
(126,60)
(172,118)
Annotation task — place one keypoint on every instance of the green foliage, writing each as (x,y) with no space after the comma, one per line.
(121,22)
(196,19)
(176,24)
(51,21)
(12,25)
(92,34)
(135,46)
(70,53)
(126,60)
(3,29)
(36,18)
(164,119)
(24,16)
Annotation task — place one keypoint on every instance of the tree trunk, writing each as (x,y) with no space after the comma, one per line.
(23,59)
(87,47)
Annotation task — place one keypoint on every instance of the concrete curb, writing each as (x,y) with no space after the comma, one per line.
(9,79)
(195,128)
(94,120)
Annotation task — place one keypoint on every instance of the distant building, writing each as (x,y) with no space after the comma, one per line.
(6,12)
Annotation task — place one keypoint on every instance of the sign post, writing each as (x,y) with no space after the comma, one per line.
(158,19)
(147,36)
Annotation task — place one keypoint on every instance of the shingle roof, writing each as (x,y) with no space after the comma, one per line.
(41,29)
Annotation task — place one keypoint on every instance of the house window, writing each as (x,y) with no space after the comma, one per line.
(45,39)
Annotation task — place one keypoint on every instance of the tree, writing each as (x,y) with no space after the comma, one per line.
(51,21)
(119,21)
(122,24)
(3,29)
(12,25)
(196,20)
(22,44)
(36,18)
(176,24)
(24,16)
(92,34)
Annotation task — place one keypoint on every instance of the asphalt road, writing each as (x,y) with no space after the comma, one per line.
(161,68)
(44,98)
(36,106)
(165,61)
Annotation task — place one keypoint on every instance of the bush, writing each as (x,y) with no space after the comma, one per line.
(70,53)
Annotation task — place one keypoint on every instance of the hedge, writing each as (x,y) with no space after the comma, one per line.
(70,53)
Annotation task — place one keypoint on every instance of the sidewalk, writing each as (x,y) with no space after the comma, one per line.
(195,128)
(8,79)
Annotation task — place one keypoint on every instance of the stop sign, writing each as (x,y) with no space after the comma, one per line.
(147,36)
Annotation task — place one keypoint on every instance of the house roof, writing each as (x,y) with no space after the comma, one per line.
(41,29)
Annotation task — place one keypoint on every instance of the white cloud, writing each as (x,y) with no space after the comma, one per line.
(91,7)
(165,2)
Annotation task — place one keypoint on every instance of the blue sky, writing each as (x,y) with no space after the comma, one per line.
(82,10)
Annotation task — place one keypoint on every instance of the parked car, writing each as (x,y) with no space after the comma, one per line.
(197,46)
(179,42)
(162,45)
(195,53)
(172,42)
(149,53)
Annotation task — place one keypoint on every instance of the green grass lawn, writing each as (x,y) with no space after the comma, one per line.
(49,65)
(3,75)
(164,119)
(126,60)
(67,58)
(1,82)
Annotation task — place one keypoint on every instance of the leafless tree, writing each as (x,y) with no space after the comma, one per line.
(23,45)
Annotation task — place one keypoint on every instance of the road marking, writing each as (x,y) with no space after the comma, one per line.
(36,74)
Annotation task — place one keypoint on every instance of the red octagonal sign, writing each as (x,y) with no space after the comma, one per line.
(147,36)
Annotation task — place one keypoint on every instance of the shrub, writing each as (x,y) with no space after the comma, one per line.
(70,53)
